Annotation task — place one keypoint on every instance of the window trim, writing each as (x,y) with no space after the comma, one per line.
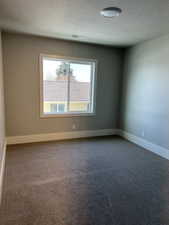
(93,86)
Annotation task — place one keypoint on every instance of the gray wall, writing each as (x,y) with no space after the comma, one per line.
(2,117)
(145,105)
(21,68)
(2,120)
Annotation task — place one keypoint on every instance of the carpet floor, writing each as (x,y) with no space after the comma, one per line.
(97,181)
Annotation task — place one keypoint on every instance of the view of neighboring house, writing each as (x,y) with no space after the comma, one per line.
(62,91)
(55,96)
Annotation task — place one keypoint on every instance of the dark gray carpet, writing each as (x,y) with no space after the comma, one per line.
(98,181)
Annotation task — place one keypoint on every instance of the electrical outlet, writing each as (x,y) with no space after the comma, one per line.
(73,126)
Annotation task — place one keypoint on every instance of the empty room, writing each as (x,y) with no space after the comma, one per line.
(84,112)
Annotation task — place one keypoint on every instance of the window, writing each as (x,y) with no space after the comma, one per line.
(54,108)
(61,108)
(67,86)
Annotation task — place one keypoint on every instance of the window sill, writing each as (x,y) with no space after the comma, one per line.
(66,115)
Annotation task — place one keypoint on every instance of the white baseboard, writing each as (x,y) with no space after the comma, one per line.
(2,168)
(58,136)
(163,152)
(89,133)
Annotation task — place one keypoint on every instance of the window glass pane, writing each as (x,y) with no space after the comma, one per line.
(55,85)
(61,107)
(80,77)
(53,108)
(68,85)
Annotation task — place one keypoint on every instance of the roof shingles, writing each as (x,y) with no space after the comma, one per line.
(57,90)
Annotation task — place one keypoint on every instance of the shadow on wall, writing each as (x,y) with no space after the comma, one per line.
(144,111)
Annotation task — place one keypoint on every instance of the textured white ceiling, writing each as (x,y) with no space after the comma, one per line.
(140,20)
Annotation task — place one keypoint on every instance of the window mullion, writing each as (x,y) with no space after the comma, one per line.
(68,88)
(91,90)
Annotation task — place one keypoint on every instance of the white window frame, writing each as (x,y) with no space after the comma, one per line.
(93,86)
